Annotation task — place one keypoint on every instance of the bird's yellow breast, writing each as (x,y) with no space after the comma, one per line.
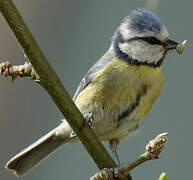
(121,85)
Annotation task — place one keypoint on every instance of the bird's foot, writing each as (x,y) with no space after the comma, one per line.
(116,174)
(88,119)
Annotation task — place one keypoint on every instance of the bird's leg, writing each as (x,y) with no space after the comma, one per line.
(114,143)
(88,119)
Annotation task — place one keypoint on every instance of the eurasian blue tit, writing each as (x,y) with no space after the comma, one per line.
(118,90)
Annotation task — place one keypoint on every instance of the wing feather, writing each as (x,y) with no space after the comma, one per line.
(91,74)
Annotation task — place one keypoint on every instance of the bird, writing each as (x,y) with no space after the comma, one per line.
(116,93)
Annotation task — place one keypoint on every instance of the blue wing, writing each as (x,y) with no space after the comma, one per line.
(91,74)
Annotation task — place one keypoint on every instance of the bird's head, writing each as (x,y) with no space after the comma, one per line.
(142,38)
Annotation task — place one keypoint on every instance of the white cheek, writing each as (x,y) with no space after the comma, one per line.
(142,51)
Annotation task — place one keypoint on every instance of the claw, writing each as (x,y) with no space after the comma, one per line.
(116,172)
(88,119)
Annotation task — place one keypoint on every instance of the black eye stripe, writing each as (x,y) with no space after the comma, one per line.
(149,39)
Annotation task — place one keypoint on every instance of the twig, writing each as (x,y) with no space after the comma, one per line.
(52,84)
(153,149)
(25,70)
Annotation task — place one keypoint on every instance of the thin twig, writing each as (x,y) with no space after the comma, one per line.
(25,70)
(153,149)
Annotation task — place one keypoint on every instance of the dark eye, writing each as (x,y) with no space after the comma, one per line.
(151,40)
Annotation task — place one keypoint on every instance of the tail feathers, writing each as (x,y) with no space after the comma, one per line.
(33,154)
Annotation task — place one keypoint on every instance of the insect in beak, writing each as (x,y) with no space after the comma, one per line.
(170,44)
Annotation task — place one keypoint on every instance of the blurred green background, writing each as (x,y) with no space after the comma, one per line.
(74,34)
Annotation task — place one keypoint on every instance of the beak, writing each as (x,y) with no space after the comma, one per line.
(170,44)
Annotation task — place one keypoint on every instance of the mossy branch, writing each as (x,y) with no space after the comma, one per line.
(54,87)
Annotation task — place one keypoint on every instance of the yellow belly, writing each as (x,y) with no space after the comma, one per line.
(117,88)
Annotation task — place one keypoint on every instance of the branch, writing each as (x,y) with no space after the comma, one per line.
(25,70)
(153,149)
(52,84)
